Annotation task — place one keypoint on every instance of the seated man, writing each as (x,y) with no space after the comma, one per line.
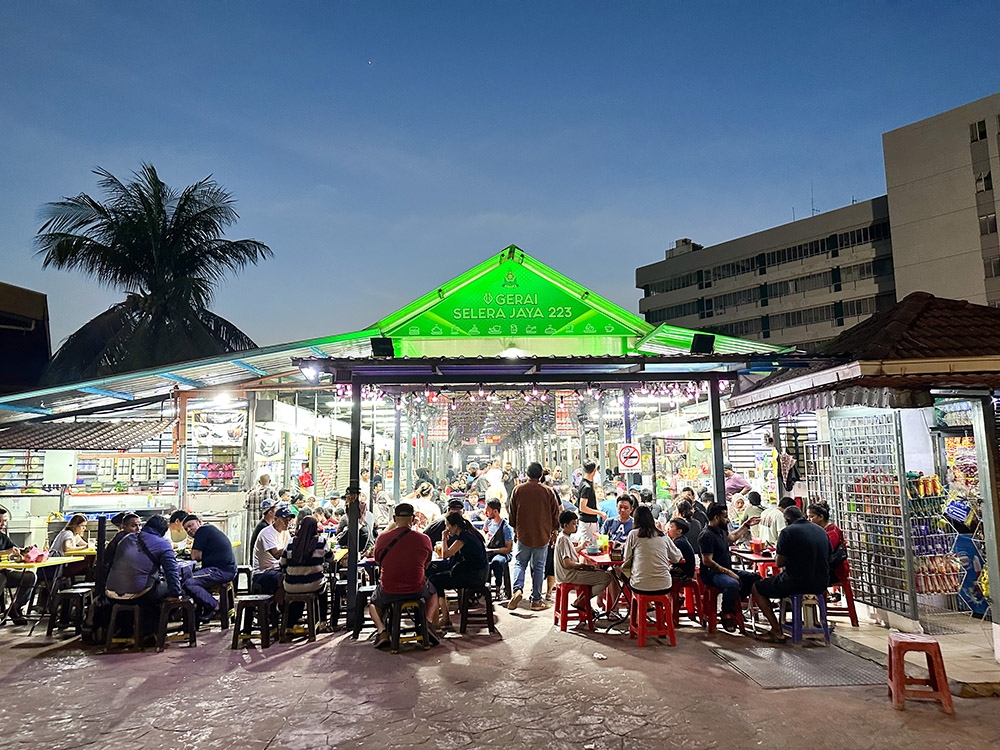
(803,554)
(21,581)
(619,527)
(568,567)
(435,529)
(218,564)
(499,541)
(267,508)
(682,571)
(145,571)
(271,543)
(717,564)
(403,555)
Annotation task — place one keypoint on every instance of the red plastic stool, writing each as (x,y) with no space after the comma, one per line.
(565,614)
(710,610)
(693,595)
(766,569)
(640,626)
(848,608)
(899,644)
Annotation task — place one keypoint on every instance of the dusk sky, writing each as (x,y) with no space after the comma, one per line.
(381,148)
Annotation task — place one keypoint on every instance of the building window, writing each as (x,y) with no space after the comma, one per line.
(988,224)
(984,181)
(992,268)
(977,131)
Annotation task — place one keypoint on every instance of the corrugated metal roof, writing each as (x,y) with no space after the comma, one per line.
(82,436)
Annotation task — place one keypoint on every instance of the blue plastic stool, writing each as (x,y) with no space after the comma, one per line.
(797,603)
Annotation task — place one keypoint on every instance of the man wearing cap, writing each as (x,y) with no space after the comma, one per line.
(403,555)
(271,542)
(735,484)
(435,529)
(214,551)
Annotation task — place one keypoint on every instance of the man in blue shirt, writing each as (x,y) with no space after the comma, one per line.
(218,564)
(499,540)
(618,528)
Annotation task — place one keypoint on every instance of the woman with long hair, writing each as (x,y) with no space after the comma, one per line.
(69,538)
(648,555)
(302,565)
(463,544)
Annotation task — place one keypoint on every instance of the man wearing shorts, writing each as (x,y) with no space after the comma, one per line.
(403,555)
(804,559)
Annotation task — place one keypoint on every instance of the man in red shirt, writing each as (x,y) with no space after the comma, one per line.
(403,555)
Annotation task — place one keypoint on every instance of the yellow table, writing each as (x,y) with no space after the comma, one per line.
(6,564)
(339,554)
(85,552)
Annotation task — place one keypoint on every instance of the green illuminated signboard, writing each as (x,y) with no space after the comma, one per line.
(512,300)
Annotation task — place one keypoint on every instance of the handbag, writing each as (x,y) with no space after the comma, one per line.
(35,555)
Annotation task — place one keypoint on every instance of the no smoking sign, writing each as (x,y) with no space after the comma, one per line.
(629,457)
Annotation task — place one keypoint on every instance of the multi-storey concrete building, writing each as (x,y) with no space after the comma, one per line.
(802,283)
(25,347)
(942,207)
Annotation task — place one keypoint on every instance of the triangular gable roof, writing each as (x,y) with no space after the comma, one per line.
(512,300)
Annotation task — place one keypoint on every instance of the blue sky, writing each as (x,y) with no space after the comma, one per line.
(380,148)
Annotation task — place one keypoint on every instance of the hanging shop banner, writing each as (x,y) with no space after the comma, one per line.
(211,428)
(437,429)
(268,443)
(566,413)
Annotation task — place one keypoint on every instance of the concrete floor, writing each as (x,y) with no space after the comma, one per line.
(531,687)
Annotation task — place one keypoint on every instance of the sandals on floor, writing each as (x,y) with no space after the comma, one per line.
(769,637)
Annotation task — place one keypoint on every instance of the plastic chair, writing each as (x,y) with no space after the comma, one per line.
(415,608)
(311,602)
(848,608)
(135,640)
(68,607)
(563,614)
(899,644)
(227,601)
(246,572)
(691,588)
(710,610)
(639,625)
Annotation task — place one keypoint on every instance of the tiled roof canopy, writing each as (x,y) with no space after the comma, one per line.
(84,436)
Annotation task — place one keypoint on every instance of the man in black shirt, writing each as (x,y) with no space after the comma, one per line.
(717,564)
(590,514)
(218,564)
(804,557)
(435,529)
(22,581)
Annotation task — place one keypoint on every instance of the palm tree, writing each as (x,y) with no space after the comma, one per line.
(165,250)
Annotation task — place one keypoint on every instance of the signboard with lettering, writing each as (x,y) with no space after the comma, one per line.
(511,300)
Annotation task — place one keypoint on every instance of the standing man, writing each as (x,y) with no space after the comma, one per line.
(717,563)
(803,554)
(263,491)
(534,514)
(735,484)
(218,563)
(509,479)
(590,514)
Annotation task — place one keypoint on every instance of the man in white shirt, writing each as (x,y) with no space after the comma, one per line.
(772,521)
(271,542)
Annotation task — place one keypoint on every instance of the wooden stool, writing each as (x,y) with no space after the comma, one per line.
(69,607)
(899,644)
(848,608)
(638,623)
(564,614)
(311,602)
(415,608)
(249,607)
(797,603)
(465,597)
(247,572)
(189,623)
(227,601)
(361,609)
(691,588)
(121,608)
(710,610)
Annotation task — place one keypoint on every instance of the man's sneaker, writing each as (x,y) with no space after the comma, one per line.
(382,639)
(539,606)
(515,599)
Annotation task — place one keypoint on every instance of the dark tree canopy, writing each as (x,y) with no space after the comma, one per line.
(164,249)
